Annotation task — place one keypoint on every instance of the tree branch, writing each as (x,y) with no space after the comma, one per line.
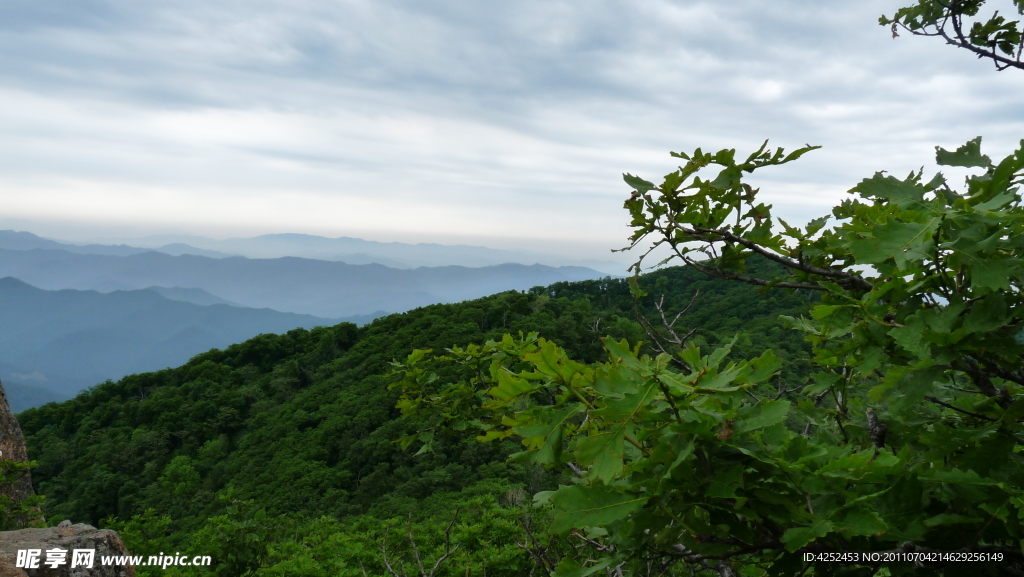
(415,549)
(729,275)
(854,281)
(384,553)
(961,41)
(983,381)
(448,549)
(958,409)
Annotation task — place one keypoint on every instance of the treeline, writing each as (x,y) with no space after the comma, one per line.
(281,450)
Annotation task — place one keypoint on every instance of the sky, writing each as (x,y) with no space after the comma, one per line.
(502,124)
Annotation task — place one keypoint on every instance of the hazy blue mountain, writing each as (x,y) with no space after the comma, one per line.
(343,249)
(359,251)
(180,248)
(316,287)
(67,340)
(190,295)
(21,396)
(13,240)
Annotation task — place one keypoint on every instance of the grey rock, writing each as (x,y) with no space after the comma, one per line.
(66,537)
(12,448)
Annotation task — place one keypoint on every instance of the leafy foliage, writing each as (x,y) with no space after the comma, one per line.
(954,21)
(906,437)
(302,426)
(23,512)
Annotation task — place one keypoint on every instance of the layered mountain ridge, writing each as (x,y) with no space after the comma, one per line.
(55,343)
(289,284)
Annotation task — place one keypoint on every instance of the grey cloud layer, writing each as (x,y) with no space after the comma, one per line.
(441,119)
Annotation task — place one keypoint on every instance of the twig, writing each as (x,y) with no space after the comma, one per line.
(851,280)
(575,469)
(729,275)
(783,391)
(538,552)
(593,544)
(448,550)
(415,549)
(384,552)
(964,411)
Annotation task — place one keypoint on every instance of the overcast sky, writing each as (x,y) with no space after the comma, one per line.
(504,124)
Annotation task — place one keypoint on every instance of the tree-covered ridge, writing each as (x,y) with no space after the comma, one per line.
(304,424)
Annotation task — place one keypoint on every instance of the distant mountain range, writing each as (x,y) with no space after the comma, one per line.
(55,343)
(22,397)
(76,315)
(343,249)
(291,284)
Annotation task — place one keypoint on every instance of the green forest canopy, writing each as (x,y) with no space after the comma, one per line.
(303,425)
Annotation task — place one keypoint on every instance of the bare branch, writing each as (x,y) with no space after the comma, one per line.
(669,326)
(448,549)
(443,558)
(781,390)
(590,542)
(384,553)
(415,549)
(537,551)
(575,469)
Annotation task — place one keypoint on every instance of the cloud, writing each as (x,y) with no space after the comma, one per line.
(492,123)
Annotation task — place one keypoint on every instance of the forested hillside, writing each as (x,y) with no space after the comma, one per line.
(304,425)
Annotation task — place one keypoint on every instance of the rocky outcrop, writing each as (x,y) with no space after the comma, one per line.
(36,543)
(49,552)
(12,448)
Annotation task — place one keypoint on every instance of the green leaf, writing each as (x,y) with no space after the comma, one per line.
(603,452)
(797,537)
(861,522)
(764,367)
(545,433)
(950,519)
(987,314)
(568,567)
(682,455)
(958,477)
(902,192)
(625,409)
(911,337)
(902,241)
(579,506)
(763,414)
(912,385)
(510,386)
(552,361)
(968,155)
(992,274)
(637,183)
(634,288)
